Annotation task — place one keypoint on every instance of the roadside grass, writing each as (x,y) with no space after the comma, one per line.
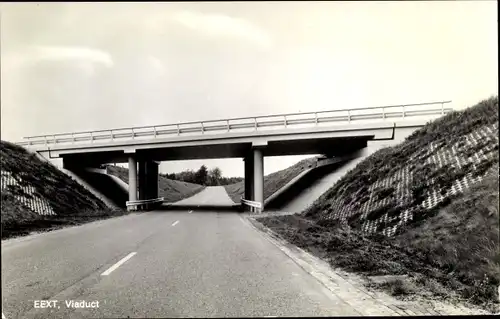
(174,191)
(171,190)
(396,287)
(272,182)
(14,214)
(70,201)
(453,255)
(463,240)
(19,220)
(235,191)
(448,251)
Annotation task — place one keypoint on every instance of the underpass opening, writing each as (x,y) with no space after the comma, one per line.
(208,176)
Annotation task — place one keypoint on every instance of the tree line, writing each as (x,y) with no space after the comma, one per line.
(203,176)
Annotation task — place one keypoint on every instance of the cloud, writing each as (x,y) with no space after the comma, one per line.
(222,26)
(74,53)
(156,64)
(83,57)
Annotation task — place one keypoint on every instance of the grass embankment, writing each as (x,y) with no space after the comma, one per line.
(171,190)
(272,182)
(446,249)
(71,202)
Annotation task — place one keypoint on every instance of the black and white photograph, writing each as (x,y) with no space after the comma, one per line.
(249,159)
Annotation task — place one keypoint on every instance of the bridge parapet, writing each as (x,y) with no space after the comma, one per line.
(255,207)
(147,204)
(250,124)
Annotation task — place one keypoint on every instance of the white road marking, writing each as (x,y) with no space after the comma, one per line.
(3,316)
(175,223)
(118,264)
(190,212)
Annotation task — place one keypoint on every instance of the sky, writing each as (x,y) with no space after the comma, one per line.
(82,66)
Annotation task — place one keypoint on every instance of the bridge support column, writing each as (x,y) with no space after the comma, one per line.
(142,180)
(152,169)
(248,177)
(132,179)
(148,180)
(258,180)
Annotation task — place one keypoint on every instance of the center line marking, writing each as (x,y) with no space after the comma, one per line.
(118,264)
(175,223)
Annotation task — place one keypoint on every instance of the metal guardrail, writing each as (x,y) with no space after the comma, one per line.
(254,206)
(232,124)
(137,203)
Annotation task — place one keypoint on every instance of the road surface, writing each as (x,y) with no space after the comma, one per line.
(211,195)
(177,264)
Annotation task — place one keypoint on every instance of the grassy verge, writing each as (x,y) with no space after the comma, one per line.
(19,220)
(235,191)
(455,253)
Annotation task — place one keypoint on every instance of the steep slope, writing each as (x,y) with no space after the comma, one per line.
(171,190)
(37,195)
(434,197)
(272,182)
(309,188)
(106,185)
(97,193)
(408,182)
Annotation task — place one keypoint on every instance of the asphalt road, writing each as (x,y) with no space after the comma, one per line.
(186,264)
(211,195)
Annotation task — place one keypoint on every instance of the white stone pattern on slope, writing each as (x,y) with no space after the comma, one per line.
(442,154)
(29,198)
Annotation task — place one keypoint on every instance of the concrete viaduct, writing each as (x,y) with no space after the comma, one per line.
(332,133)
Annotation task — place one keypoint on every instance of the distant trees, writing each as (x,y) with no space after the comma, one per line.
(203,176)
(214,176)
(184,176)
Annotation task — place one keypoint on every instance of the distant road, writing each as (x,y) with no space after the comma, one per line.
(212,195)
(160,264)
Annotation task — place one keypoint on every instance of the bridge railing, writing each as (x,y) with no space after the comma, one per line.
(255,207)
(250,124)
(146,203)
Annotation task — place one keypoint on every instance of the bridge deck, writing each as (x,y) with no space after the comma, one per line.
(247,125)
